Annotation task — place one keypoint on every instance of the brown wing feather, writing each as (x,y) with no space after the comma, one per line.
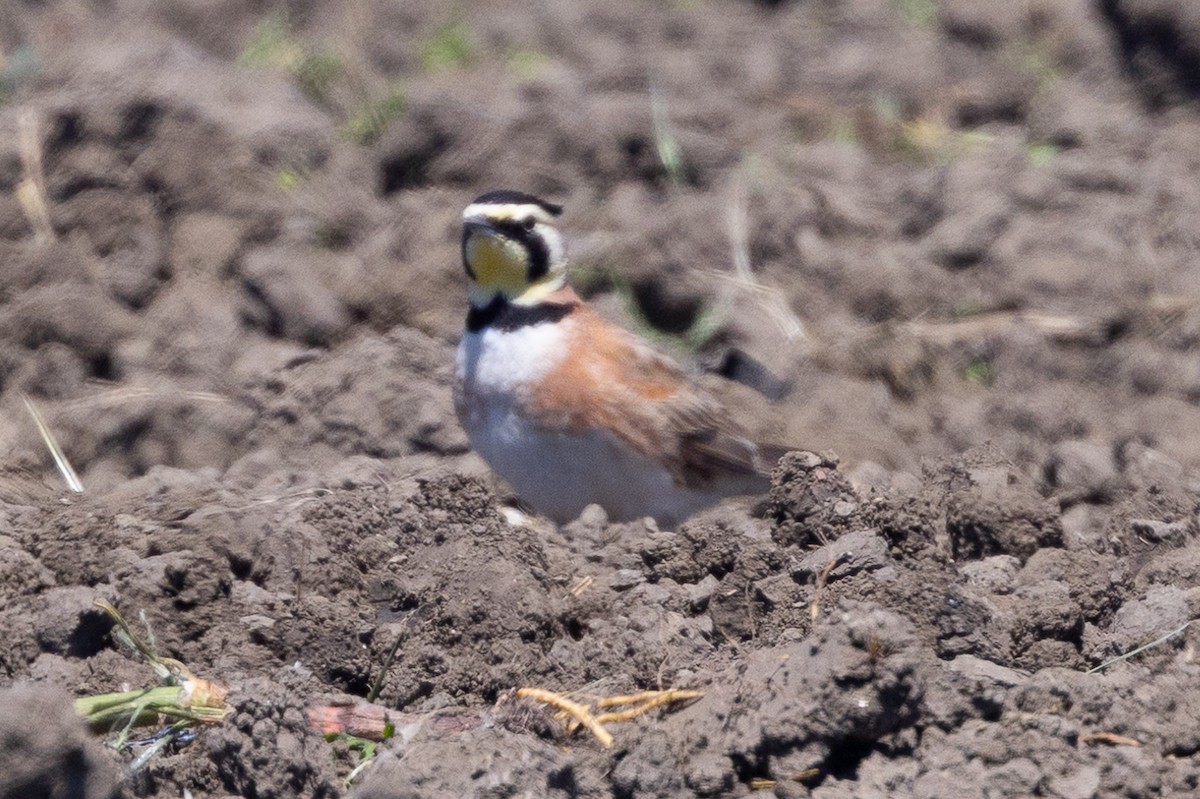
(610,379)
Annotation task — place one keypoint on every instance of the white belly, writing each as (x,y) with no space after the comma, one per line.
(558,474)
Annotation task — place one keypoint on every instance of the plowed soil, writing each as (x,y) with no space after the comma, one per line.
(949,245)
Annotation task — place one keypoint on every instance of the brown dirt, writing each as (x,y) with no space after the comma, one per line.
(974,229)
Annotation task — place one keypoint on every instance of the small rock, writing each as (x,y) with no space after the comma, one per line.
(863,550)
(250,595)
(593,516)
(887,574)
(906,483)
(1083,527)
(654,593)
(986,671)
(590,526)
(994,575)
(963,783)
(1081,784)
(990,479)
(438,701)
(1164,608)
(625,579)
(1159,531)
(710,774)
(869,476)
(257,622)
(968,624)
(1193,600)
(778,590)
(1146,467)
(994,517)
(1081,470)
(807,460)
(699,593)
(810,500)
(1018,777)
(1046,610)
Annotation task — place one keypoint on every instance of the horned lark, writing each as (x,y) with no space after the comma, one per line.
(569,408)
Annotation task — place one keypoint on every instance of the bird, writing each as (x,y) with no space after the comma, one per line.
(572,409)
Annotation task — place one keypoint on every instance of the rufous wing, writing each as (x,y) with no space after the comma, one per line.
(609,379)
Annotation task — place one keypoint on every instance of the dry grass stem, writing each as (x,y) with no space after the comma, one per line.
(1162,639)
(577,711)
(1156,310)
(643,703)
(742,281)
(1066,329)
(649,696)
(112,394)
(770,300)
(575,714)
(31,191)
(1109,738)
(814,607)
(1173,304)
(60,459)
(738,223)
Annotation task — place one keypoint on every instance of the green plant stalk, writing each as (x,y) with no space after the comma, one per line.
(665,143)
(381,678)
(144,706)
(366,749)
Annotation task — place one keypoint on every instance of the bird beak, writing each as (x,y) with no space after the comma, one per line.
(478,224)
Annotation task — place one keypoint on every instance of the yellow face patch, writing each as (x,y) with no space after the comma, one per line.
(499,264)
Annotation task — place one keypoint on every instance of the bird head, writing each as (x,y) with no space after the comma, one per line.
(511,249)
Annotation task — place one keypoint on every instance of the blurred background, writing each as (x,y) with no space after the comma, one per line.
(903,228)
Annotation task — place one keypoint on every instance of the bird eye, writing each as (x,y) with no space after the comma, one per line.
(528,223)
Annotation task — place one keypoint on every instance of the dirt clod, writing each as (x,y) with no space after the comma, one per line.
(953,242)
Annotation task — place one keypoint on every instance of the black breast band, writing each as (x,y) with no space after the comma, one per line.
(500,314)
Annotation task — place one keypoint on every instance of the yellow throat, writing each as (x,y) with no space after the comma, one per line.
(500,266)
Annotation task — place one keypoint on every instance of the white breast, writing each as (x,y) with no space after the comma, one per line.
(558,473)
(496,362)
(493,373)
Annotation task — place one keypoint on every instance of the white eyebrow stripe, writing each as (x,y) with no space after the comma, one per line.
(507,211)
